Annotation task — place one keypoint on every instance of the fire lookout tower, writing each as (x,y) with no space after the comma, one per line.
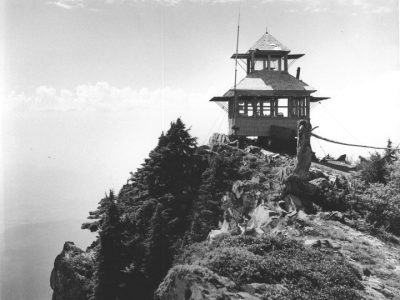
(268,102)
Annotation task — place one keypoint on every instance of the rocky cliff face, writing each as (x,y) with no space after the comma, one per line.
(71,276)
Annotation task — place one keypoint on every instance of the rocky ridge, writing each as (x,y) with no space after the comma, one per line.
(254,207)
(251,208)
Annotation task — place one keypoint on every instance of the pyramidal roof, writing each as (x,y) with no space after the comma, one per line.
(269,43)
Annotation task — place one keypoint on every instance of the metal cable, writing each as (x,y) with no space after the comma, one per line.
(352,145)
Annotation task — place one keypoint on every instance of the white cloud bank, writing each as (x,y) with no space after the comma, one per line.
(366,6)
(102,96)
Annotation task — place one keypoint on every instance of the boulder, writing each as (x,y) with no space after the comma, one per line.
(320,243)
(255,179)
(262,288)
(71,277)
(301,193)
(214,233)
(316,173)
(262,217)
(333,215)
(321,183)
(237,188)
(333,179)
(193,282)
(293,203)
(248,194)
(253,150)
(220,139)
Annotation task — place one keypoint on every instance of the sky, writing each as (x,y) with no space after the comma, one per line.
(88,85)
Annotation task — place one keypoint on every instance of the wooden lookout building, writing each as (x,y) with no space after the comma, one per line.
(269,101)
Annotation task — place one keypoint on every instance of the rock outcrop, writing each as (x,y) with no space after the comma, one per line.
(193,282)
(72,273)
(187,282)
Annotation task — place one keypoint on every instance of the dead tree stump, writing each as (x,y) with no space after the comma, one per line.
(298,191)
(304,151)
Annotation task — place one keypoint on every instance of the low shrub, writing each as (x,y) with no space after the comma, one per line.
(307,273)
(380,206)
(333,198)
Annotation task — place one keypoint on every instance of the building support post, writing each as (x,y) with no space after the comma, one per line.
(285,60)
(252,62)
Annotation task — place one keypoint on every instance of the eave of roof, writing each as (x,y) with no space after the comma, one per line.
(265,54)
(269,80)
(230,97)
(317,99)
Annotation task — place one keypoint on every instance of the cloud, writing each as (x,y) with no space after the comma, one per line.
(309,6)
(363,6)
(68,4)
(102,96)
(375,6)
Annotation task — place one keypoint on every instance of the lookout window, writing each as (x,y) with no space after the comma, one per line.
(250,109)
(241,108)
(282,107)
(299,107)
(265,108)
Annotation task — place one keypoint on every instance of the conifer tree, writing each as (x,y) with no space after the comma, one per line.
(169,168)
(171,175)
(157,201)
(97,215)
(156,204)
(109,259)
(374,169)
(216,180)
(390,155)
(158,253)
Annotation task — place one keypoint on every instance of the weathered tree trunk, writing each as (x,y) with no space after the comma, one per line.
(298,190)
(304,151)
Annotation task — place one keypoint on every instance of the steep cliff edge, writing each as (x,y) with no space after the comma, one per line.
(72,273)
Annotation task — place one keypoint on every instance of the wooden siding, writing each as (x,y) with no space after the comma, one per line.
(248,126)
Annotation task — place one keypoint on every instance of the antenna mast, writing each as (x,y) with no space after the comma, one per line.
(235,106)
(237,48)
